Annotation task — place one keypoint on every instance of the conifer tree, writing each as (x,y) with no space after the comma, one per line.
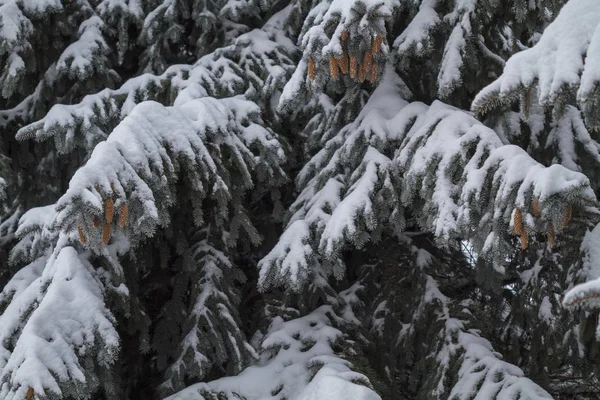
(308,199)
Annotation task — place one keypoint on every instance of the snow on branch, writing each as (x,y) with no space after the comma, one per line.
(55,329)
(128,182)
(256,65)
(212,332)
(483,374)
(290,353)
(81,57)
(342,41)
(15,30)
(468,181)
(564,65)
(453,171)
(587,294)
(466,360)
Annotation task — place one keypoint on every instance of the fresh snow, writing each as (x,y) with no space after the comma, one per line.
(445,157)
(69,322)
(566,59)
(289,349)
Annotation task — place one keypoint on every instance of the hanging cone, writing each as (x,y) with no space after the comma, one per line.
(374,72)
(524,239)
(82,237)
(518,222)
(536,208)
(368,61)
(551,235)
(106,233)
(109,210)
(344,35)
(568,216)
(377,44)
(30,393)
(343,63)
(95,221)
(123,215)
(333,68)
(353,67)
(362,74)
(311,69)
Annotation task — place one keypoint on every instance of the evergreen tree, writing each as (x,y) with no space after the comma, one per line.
(308,199)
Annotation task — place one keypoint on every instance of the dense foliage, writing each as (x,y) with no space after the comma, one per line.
(299,199)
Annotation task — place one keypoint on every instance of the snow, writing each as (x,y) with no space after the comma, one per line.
(13,21)
(587,294)
(328,384)
(68,322)
(459,168)
(452,61)
(42,6)
(211,333)
(417,33)
(132,7)
(289,350)
(564,60)
(35,218)
(80,57)
(290,257)
(482,374)
(142,155)
(356,202)
(442,134)
(256,63)
(545,313)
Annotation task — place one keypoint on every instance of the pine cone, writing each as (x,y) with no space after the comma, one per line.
(106,233)
(568,216)
(311,69)
(374,72)
(524,239)
(551,235)
(343,63)
(82,237)
(536,208)
(109,210)
(95,221)
(123,215)
(353,67)
(368,61)
(30,393)
(362,75)
(333,68)
(344,35)
(518,222)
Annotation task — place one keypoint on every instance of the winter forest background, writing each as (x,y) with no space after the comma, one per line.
(299,199)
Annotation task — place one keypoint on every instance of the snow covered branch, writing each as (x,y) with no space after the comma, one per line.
(452,171)
(564,65)
(55,329)
(129,178)
(291,353)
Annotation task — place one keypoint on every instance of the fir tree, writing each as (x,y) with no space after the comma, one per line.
(310,199)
